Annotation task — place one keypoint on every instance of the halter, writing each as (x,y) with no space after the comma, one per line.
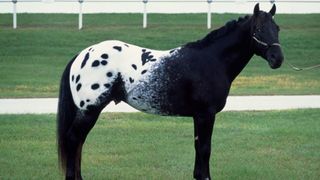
(264,43)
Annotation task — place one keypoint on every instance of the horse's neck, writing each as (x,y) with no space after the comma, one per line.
(237,53)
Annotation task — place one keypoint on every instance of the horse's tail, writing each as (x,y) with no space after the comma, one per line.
(66,114)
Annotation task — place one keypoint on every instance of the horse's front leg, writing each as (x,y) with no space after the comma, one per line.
(203,126)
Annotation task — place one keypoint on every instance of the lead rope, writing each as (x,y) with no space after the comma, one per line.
(301,69)
(289,64)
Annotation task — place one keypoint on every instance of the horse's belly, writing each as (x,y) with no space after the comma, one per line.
(146,99)
(156,98)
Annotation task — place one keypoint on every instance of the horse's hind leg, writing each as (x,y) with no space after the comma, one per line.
(76,136)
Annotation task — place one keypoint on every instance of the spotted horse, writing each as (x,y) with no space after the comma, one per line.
(192,80)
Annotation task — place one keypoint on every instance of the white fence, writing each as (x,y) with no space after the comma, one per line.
(235,6)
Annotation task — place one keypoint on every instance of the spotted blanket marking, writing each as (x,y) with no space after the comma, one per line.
(96,68)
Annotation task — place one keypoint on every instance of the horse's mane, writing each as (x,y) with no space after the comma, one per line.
(217,34)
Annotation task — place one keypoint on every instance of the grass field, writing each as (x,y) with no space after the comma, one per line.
(33,56)
(246,145)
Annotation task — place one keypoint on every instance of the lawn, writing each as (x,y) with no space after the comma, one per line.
(246,145)
(33,56)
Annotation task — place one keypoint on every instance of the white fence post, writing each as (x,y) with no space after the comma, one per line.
(80,14)
(209,14)
(14,14)
(145,13)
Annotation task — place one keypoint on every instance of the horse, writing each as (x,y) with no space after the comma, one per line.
(192,80)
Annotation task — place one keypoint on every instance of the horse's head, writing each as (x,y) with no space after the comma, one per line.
(265,34)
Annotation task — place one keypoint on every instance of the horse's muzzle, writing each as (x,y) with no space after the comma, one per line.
(274,57)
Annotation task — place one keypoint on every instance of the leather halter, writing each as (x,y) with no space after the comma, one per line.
(264,43)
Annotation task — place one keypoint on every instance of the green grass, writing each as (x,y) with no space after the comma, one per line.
(246,145)
(33,56)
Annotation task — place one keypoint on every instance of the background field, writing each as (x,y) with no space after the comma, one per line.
(33,56)
(246,145)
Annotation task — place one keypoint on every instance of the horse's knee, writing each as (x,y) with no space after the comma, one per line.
(205,149)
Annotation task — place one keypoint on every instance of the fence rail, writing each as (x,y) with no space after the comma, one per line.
(144,3)
(173,1)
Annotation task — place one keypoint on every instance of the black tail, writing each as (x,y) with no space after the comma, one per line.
(66,114)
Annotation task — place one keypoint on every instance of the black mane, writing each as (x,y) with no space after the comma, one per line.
(217,34)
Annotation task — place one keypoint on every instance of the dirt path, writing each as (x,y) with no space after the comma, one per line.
(234,103)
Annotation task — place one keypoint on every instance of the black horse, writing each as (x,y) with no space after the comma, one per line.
(192,80)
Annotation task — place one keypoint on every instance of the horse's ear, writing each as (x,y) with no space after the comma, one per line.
(256,9)
(273,10)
